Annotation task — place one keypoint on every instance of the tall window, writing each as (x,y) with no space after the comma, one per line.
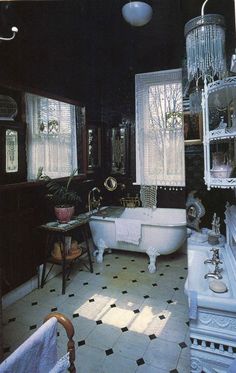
(159,129)
(51,137)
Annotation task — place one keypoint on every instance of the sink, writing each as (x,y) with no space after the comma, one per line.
(196,281)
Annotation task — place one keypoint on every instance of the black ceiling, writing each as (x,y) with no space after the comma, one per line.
(63,45)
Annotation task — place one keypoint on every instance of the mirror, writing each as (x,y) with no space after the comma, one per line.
(110,183)
(118,148)
(194,210)
(94,147)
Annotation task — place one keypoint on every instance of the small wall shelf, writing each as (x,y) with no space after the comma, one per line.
(219,132)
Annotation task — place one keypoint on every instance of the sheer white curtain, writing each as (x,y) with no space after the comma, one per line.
(51,137)
(159,129)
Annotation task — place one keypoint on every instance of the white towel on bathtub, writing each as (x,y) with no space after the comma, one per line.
(128,230)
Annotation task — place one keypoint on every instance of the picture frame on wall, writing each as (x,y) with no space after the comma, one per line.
(192,128)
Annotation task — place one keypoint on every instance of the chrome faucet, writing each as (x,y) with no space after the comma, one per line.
(92,201)
(215,256)
(216,273)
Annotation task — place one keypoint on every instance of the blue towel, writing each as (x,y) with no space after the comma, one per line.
(192,294)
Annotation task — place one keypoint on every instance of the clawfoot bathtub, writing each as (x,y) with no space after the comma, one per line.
(163,231)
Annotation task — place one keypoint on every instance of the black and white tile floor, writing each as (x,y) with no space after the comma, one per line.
(125,318)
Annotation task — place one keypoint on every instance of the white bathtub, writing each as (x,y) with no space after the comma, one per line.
(163,231)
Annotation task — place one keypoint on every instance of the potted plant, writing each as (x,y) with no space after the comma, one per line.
(63,198)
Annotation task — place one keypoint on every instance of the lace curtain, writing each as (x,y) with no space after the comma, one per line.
(51,137)
(159,129)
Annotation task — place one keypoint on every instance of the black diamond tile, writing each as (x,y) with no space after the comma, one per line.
(146,296)
(161,274)
(12,319)
(113,305)
(81,343)
(115,276)
(124,292)
(181,278)
(6,349)
(32,327)
(124,267)
(85,283)
(134,280)
(91,300)
(116,257)
(52,290)
(97,274)
(124,329)
(109,352)
(176,289)
(162,317)
(174,371)
(136,311)
(182,345)
(99,322)
(58,334)
(34,303)
(53,309)
(104,287)
(108,265)
(71,295)
(155,284)
(140,361)
(186,268)
(152,336)
(169,301)
(142,271)
(132,260)
(187,323)
(75,315)
(167,265)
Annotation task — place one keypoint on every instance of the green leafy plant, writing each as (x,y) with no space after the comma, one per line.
(60,194)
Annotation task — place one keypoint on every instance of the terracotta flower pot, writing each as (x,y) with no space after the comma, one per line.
(64,214)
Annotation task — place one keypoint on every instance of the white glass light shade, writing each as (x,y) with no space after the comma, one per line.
(137,13)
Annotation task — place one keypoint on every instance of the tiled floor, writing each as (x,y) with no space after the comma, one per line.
(126,319)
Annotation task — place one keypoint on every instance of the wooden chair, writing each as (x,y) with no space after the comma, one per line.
(69,328)
(42,344)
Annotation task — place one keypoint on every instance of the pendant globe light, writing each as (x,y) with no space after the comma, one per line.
(137,13)
(205,46)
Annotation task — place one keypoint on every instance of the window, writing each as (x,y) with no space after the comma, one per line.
(51,137)
(159,129)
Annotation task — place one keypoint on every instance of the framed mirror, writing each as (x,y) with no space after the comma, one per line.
(119,153)
(93,148)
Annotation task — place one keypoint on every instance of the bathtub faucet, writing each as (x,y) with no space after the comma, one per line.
(92,201)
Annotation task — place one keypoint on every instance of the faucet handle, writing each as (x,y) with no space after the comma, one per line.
(215,250)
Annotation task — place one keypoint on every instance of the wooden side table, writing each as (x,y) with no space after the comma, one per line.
(56,232)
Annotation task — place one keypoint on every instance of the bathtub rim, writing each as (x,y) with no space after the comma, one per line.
(110,218)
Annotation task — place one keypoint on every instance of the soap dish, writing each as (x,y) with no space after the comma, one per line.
(218,286)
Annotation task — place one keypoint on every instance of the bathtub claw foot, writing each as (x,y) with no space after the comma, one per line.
(152,252)
(101,248)
(95,253)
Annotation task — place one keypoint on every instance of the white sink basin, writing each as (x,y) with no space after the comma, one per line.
(197,269)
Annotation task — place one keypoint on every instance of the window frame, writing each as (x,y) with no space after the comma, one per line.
(19,125)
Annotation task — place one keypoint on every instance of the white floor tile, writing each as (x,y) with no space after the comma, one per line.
(141,304)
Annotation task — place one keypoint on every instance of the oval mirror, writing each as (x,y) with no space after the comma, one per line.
(110,183)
